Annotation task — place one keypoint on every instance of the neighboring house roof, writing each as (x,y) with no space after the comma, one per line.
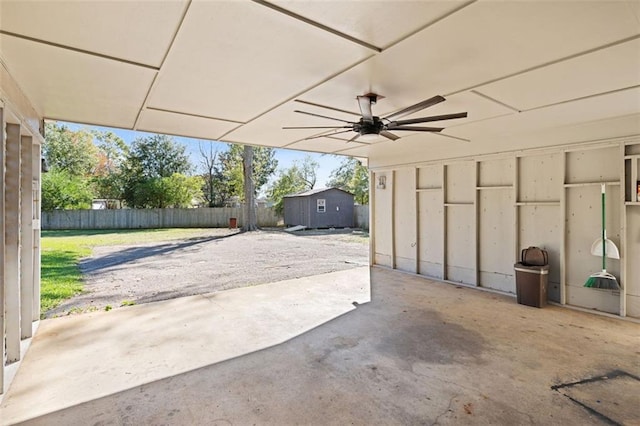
(315,191)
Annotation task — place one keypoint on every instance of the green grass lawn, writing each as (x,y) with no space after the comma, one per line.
(62,250)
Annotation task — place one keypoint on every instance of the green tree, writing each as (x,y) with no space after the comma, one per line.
(353,177)
(297,178)
(72,158)
(150,173)
(73,152)
(158,156)
(64,191)
(181,190)
(108,177)
(176,190)
(231,170)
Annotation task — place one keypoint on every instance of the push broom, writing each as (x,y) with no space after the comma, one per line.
(604,247)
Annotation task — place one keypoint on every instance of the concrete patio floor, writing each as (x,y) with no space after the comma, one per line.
(299,352)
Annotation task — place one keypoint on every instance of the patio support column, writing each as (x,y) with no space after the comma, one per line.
(2,259)
(26,236)
(12,243)
(36,195)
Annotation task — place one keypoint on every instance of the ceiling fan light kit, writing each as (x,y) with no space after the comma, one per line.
(369,127)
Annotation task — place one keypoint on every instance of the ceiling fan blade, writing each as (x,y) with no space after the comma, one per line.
(418,129)
(389,135)
(326,135)
(417,107)
(365,108)
(427,119)
(323,116)
(317,127)
(327,107)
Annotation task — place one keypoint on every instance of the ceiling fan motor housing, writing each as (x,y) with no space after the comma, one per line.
(367,128)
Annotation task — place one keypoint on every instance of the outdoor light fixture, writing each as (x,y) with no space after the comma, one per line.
(43,166)
(382,182)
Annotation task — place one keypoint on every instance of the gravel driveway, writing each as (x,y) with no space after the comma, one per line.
(220,259)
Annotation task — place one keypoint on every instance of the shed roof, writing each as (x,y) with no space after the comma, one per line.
(315,191)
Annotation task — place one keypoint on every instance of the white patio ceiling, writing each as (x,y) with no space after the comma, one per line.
(235,70)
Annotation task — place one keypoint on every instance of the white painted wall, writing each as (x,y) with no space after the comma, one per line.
(383,218)
(430,221)
(19,230)
(404,220)
(465,220)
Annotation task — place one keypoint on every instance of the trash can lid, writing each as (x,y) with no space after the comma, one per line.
(540,270)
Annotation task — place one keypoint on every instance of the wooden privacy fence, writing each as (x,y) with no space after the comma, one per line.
(216,217)
(361,217)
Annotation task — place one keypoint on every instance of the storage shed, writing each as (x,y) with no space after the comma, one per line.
(319,208)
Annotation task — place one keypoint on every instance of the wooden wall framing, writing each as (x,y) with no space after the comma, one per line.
(466,220)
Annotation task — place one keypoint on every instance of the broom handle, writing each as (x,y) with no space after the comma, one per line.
(604,232)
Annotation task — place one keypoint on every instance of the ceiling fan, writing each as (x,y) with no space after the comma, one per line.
(370,125)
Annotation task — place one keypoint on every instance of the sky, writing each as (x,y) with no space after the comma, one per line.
(285,157)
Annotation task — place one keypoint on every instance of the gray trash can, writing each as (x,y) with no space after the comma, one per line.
(531,284)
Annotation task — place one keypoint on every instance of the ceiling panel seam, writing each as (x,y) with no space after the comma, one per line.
(489,98)
(86,123)
(329,136)
(77,50)
(287,145)
(194,115)
(546,64)
(581,98)
(327,107)
(342,140)
(469,123)
(144,101)
(429,24)
(164,58)
(444,135)
(318,25)
(291,98)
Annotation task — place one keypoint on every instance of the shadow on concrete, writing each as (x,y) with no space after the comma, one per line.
(87,232)
(356,368)
(133,254)
(420,352)
(329,231)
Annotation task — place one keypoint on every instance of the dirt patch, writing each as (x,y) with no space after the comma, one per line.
(219,259)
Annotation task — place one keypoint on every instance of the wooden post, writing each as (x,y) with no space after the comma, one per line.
(563,246)
(26,235)
(372,217)
(36,194)
(12,243)
(417,224)
(2,245)
(445,274)
(393,218)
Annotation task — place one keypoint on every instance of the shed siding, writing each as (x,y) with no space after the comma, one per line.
(302,210)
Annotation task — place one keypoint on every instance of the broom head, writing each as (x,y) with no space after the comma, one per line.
(603,280)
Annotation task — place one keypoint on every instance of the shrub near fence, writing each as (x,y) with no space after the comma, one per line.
(216,217)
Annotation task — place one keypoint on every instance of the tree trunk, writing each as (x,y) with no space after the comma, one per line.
(250,222)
